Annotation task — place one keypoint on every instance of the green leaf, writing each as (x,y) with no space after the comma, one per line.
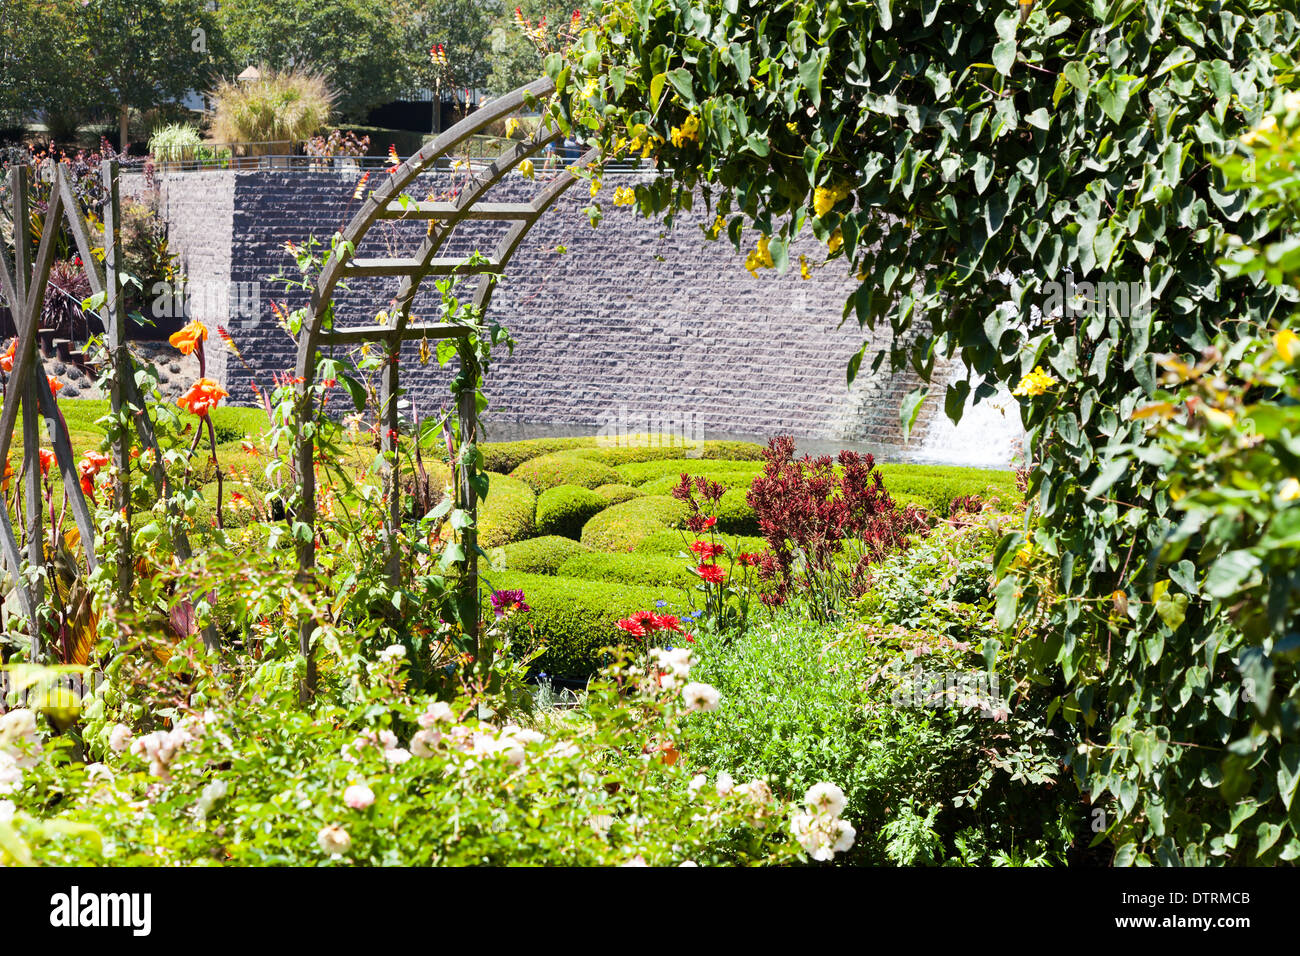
(1004,56)
(911,408)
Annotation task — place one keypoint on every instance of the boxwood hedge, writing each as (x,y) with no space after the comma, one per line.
(573,618)
(617,494)
(647,570)
(507,513)
(622,527)
(542,555)
(564,468)
(564,510)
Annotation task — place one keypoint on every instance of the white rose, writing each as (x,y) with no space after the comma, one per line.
(119,739)
(825,799)
(334,840)
(700,697)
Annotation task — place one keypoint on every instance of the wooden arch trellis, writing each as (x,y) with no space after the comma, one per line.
(387,203)
(24,284)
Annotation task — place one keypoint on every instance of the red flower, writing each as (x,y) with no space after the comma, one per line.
(749,559)
(47,459)
(707,551)
(7,359)
(711,573)
(632,626)
(88,468)
(666,622)
(710,522)
(689,638)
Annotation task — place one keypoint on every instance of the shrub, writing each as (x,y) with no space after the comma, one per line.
(563,468)
(623,527)
(507,513)
(564,510)
(934,487)
(646,570)
(617,494)
(640,472)
(280,109)
(641,448)
(542,555)
(573,618)
(735,516)
(673,542)
(727,477)
(506,456)
(174,142)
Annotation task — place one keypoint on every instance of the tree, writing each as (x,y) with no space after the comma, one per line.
(968,160)
(34,64)
(460,26)
(522,35)
(353,43)
(144,52)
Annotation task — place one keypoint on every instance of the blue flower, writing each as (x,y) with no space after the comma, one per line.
(661,603)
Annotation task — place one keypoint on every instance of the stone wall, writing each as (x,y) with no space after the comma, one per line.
(627,325)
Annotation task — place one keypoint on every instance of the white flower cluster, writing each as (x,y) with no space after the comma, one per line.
(438,726)
(20,747)
(820,830)
(161,746)
(384,741)
(672,668)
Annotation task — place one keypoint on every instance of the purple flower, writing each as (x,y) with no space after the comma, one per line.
(506,601)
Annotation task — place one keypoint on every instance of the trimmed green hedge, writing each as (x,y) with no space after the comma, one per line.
(656,448)
(541,555)
(564,510)
(934,486)
(728,479)
(564,468)
(574,618)
(645,570)
(641,472)
(507,513)
(506,456)
(623,527)
(735,516)
(671,542)
(617,494)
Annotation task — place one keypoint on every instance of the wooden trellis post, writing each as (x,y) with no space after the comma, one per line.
(386,203)
(29,391)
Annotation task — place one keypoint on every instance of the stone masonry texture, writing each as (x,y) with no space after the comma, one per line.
(630,324)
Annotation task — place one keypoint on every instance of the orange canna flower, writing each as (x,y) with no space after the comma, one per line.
(190,337)
(7,360)
(55,384)
(47,459)
(202,397)
(88,468)
(9,473)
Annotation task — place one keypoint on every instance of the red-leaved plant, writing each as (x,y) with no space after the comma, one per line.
(825,522)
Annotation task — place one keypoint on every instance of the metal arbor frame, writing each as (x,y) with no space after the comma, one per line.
(385,203)
(28,389)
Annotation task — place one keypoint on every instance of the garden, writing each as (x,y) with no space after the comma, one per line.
(325,630)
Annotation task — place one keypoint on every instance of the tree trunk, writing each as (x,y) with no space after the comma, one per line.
(123,124)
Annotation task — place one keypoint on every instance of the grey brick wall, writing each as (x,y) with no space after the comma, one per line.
(630,320)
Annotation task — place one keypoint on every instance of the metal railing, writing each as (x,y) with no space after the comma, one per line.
(477,151)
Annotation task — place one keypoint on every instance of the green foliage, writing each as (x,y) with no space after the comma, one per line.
(639,473)
(617,494)
(622,527)
(729,478)
(506,514)
(734,514)
(564,509)
(506,456)
(281,108)
(645,570)
(676,542)
(542,555)
(175,141)
(1076,146)
(574,620)
(934,488)
(563,468)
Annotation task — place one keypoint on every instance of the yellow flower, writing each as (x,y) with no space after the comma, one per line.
(1289,490)
(1260,134)
(1035,383)
(512,126)
(595,187)
(623,196)
(689,131)
(1287,344)
(825,198)
(805,270)
(1222,417)
(760,258)
(718,225)
(836,240)
(526,169)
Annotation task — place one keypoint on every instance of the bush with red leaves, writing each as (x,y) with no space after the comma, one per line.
(825,521)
